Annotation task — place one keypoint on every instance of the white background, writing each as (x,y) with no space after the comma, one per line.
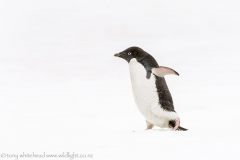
(61,89)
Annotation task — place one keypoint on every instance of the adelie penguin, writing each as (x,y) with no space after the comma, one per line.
(150,90)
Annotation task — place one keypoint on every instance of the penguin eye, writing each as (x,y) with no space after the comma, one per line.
(129,53)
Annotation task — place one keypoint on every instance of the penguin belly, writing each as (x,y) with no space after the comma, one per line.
(145,93)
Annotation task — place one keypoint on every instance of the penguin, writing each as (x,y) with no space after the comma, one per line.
(150,89)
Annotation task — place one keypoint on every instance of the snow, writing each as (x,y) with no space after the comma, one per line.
(61,89)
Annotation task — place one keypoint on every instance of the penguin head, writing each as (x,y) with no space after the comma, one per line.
(132,52)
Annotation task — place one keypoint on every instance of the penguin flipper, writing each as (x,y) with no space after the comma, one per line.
(162,71)
(148,74)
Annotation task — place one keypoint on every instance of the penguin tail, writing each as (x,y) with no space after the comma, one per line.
(181,129)
(172,125)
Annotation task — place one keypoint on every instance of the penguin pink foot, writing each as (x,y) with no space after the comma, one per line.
(149,125)
(177,124)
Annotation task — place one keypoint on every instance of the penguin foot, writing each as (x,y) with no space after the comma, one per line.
(177,124)
(149,125)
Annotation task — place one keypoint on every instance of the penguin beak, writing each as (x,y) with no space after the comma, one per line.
(122,55)
(117,55)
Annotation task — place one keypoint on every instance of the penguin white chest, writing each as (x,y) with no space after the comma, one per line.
(144,90)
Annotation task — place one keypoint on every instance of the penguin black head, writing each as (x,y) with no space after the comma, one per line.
(132,52)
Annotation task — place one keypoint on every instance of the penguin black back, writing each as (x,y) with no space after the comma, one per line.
(164,95)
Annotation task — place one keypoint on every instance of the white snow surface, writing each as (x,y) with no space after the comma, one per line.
(62,90)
